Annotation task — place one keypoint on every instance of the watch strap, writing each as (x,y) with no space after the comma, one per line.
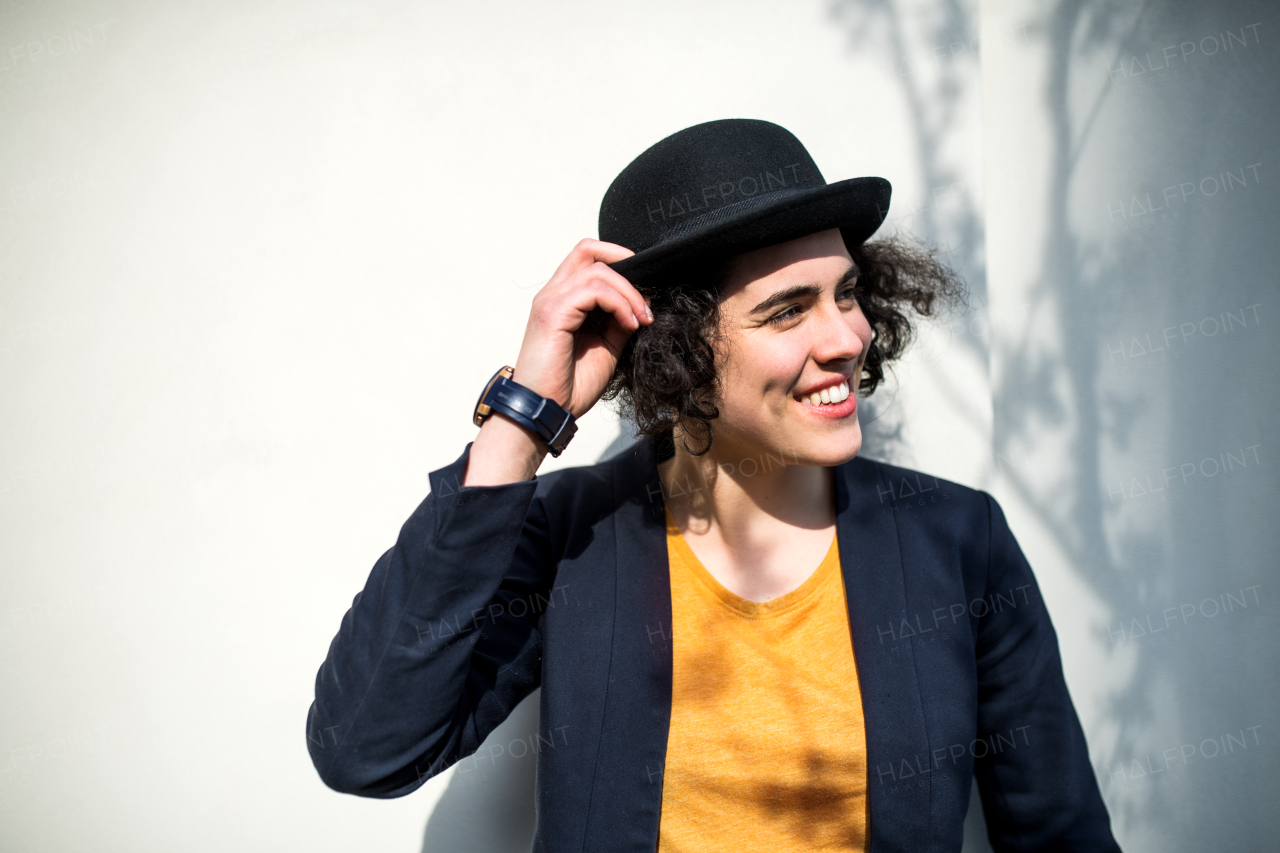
(544,417)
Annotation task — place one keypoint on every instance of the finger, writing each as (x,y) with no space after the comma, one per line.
(569,311)
(586,253)
(605,298)
(567,308)
(614,338)
(602,272)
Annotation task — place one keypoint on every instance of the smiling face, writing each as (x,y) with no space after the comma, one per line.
(792,329)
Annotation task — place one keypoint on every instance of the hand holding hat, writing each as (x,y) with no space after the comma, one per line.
(559,358)
(699,196)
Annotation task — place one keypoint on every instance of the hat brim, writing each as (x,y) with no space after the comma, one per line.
(856,206)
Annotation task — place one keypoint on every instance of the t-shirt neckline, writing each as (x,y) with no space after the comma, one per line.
(745,606)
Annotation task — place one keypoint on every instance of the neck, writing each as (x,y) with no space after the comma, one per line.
(741,494)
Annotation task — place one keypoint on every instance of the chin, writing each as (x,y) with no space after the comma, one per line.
(830,450)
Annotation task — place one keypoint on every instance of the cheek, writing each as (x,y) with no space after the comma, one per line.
(760,378)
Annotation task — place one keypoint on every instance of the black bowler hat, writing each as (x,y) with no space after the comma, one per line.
(725,187)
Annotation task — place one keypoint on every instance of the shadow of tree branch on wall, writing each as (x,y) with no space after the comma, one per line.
(930,49)
(1095,420)
(1056,395)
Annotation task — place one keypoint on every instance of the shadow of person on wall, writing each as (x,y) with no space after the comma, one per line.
(488,805)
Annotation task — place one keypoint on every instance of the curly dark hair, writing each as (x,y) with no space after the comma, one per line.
(667,372)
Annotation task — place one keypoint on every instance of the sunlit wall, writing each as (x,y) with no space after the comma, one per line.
(256,262)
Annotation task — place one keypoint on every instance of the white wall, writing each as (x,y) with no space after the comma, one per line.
(255,263)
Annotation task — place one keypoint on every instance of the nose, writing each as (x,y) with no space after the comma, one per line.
(839,336)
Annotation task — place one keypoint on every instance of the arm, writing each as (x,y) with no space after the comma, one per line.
(1038,789)
(431,658)
(444,640)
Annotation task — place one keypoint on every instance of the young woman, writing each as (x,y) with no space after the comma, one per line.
(747,638)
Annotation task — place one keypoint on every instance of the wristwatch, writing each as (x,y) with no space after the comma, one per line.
(547,419)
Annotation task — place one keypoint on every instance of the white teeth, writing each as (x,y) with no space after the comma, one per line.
(828,396)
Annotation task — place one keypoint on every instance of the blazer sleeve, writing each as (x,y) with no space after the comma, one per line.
(1038,788)
(440,645)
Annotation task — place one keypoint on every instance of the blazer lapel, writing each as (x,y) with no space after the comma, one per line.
(626,797)
(874,578)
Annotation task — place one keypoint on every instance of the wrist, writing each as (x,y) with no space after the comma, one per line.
(530,378)
(503,452)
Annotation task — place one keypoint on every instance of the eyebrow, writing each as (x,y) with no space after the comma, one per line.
(801,290)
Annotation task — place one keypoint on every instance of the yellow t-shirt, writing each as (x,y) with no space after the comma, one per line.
(766,749)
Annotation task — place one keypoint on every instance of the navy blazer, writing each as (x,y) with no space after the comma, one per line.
(562,582)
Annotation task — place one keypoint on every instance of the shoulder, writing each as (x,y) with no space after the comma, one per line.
(594,479)
(589,493)
(938,522)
